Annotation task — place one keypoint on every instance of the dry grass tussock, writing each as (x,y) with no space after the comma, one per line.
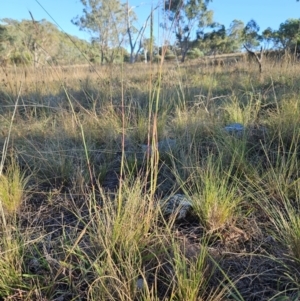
(79,218)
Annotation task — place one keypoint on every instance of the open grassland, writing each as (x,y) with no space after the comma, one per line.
(79,187)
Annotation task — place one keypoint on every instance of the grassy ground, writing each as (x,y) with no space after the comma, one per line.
(78,192)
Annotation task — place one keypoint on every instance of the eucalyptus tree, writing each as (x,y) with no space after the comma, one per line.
(147,44)
(6,44)
(10,40)
(252,40)
(288,35)
(216,41)
(235,35)
(29,40)
(219,40)
(251,35)
(269,38)
(106,21)
(136,34)
(38,39)
(187,18)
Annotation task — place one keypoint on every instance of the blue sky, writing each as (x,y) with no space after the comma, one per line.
(265,12)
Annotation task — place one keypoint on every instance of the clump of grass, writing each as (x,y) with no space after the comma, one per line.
(277,192)
(120,232)
(214,192)
(217,197)
(285,124)
(236,153)
(12,195)
(55,161)
(245,112)
(290,228)
(285,221)
(138,126)
(11,262)
(279,179)
(12,185)
(193,131)
(192,275)
(192,125)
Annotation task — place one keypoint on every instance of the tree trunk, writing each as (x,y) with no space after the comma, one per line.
(102,56)
(35,55)
(184,50)
(132,57)
(259,60)
(183,55)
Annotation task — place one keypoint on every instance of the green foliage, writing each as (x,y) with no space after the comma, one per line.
(245,112)
(6,40)
(106,20)
(220,40)
(195,53)
(192,280)
(11,262)
(251,34)
(12,185)
(288,34)
(39,43)
(120,231)
(216,197)
(235,35)
(277,192)
(18,58)
(186,17)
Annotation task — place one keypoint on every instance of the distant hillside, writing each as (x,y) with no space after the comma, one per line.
(38,43)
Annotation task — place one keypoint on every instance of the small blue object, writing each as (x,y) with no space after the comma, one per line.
(235,128)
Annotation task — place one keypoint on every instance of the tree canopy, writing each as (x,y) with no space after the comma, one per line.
(187,17)
(38,43)
(117,34)
(105,20)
